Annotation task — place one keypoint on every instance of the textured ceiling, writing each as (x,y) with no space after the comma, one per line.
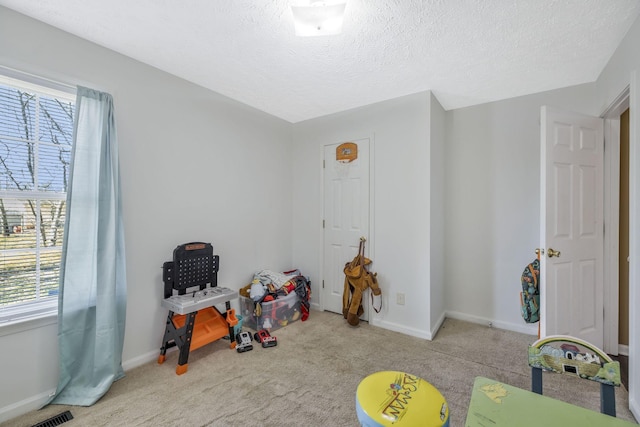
(466,51)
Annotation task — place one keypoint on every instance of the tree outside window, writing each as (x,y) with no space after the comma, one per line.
(36,133)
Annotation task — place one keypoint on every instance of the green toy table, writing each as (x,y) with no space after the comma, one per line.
(497,404)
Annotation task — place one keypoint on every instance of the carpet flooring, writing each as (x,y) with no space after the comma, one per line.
(310,378)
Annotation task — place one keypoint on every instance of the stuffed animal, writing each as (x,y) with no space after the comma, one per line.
(257,290)
(356,280)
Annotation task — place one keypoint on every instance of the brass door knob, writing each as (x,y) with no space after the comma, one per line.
(552,252)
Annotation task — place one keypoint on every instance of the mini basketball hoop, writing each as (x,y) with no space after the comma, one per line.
(347,152)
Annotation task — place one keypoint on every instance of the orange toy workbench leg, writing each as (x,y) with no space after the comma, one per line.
(193,330)
(180,337)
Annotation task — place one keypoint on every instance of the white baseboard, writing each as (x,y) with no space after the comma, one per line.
(634,407)
(436,327)
(36,402)
(623,350)
(418,333)
(27,405)
(414,332)
(142,359)
(528,329)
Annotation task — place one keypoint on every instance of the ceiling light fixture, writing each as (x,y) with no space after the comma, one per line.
(318,18)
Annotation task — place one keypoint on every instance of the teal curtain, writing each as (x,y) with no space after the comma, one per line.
(92,300)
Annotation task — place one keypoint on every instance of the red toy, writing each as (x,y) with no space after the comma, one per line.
(264,337)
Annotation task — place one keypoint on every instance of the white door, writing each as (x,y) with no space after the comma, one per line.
(346,219)
(572,218)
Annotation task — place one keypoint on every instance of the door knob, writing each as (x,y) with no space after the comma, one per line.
(552,252)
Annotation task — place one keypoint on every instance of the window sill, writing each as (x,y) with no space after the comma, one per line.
(31,322)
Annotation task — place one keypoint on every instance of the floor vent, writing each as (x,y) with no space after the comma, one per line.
(56,421)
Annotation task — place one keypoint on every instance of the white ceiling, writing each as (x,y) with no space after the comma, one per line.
(466,51)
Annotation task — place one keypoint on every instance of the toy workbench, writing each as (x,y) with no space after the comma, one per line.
(190,294)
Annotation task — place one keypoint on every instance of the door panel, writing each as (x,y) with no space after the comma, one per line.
(346,218)
(559,273)
(572,218)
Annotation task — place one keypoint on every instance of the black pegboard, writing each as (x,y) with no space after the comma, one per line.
(194,264)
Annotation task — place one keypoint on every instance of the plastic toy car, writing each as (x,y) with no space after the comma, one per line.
(243,342)
(264,337)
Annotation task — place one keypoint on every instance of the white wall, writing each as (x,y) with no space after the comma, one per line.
(492,193)
(194,166)
(198,166)
(622,70)
(30,370)
(399,241)
(437,174)
(492,203)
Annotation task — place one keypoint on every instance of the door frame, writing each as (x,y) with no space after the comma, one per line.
(634,244)
(611,117)
(370,247)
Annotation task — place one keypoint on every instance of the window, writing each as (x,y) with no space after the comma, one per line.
(36,133)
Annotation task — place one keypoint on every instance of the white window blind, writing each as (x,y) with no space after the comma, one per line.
(36,131)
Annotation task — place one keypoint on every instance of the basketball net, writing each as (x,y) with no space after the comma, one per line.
(346,153)
(342,168)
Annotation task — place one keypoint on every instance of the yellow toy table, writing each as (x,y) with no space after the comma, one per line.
(392,398)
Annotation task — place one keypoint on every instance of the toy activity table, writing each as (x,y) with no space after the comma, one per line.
(497,404)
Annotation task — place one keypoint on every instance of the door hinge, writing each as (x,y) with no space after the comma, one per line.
(323,223)
(323,284)
(323,164)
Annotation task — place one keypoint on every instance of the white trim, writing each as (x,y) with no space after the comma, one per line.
(623,350)
(368,315)
(528,329)
(435,328)
(12,77)
(403,329)
(27,316)
(42,306)
(634,249)
(543,219)
(611,233)
(373,316)
(37,401)
(611,117)
(321,298)
(32,322)
(618,105)
(26,405)
(143,359)
(63,84)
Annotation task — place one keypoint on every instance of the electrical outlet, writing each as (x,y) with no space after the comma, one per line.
(400,298)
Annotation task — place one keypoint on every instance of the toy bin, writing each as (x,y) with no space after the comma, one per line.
(270,315)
